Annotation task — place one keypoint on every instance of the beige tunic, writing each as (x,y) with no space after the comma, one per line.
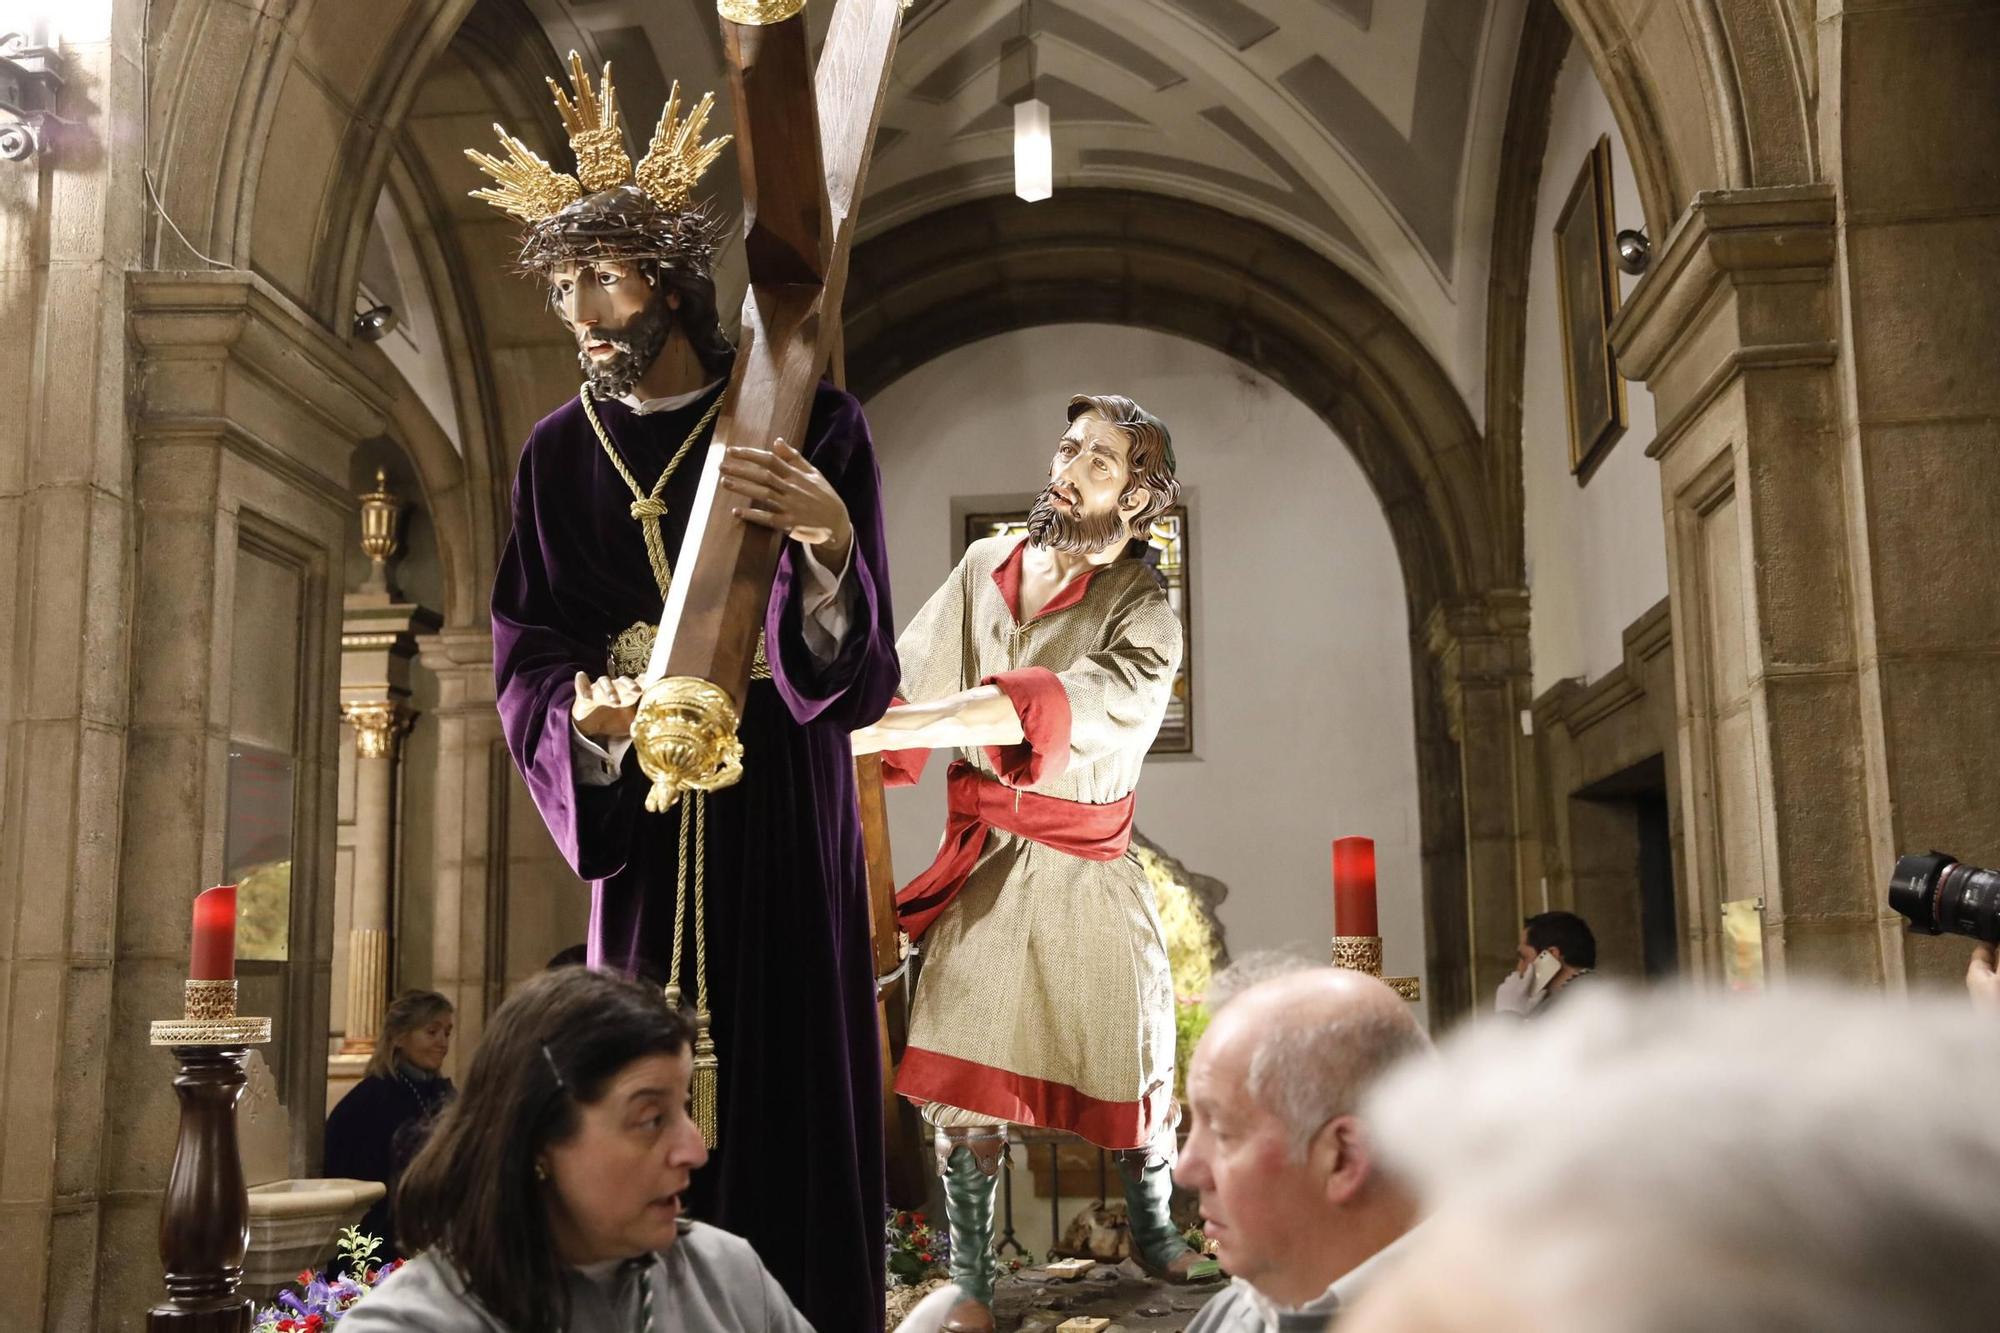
(1045,996)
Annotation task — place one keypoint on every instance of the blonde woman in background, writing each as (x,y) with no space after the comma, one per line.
(379,1125)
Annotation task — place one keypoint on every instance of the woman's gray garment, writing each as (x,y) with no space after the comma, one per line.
(709,1281)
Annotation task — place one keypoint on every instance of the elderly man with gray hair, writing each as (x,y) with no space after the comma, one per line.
(1292,1191)
(1808,1160)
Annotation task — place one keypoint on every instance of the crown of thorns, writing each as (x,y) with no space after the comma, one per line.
(609,209)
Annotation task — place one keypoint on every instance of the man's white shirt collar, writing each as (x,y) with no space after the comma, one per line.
(645,406)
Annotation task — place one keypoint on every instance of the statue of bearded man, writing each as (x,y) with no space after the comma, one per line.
(775,950)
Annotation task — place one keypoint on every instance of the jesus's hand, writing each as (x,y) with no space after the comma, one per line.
(603,708)
(782,490)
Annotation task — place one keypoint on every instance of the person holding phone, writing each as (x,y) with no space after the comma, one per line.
(1556,948)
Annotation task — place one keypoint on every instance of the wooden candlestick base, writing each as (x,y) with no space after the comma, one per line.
(205,1219)
(1363,953)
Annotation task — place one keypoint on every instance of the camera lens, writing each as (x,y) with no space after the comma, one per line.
(1940,894)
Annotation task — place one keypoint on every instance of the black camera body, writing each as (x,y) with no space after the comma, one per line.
(1941,894)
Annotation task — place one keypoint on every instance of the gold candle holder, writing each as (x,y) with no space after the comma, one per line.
(1363,953)
(208,1018)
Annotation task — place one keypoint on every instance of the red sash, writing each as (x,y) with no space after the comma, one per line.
(978,803)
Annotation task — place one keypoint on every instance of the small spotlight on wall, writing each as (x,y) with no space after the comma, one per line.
(1635,252)
(31,74)
(375,323)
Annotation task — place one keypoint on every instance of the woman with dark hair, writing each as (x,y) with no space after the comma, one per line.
(550,1195)
(378,1126)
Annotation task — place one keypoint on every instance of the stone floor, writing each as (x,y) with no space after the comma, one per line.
(1027,1302)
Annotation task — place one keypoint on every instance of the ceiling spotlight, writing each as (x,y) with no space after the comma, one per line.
(375,323)
(1635,252)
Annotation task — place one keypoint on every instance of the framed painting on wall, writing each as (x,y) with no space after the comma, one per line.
(1586,301)
(1167,554)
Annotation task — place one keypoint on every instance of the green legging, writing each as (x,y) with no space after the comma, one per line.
(968,1209)
(1149,1188)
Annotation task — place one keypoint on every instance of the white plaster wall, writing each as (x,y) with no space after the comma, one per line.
(1596,554)
(1303,723)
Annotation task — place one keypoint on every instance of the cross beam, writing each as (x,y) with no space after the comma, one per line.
(803,139)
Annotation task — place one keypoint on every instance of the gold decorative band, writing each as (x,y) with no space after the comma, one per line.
(209,1019)
(1407,987)
(208,1000)
(685,736)
(211,1032)
(1361,953)
(758,13)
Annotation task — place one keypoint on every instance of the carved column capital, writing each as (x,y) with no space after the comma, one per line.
(377,724)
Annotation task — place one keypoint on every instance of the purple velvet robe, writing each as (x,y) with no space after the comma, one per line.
(790,972)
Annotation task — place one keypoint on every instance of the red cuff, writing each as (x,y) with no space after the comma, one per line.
(1038,697)
(902,768)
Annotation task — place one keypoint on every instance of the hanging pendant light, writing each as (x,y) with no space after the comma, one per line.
(1034,147)
(1034,153)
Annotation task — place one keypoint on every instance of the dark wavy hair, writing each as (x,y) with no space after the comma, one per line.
(1150,453)
(1565,931)
(471,1193)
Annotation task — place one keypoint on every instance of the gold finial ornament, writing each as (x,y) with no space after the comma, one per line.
(758,13)
(529,188)
(594,132)
(676,159)
(685,736)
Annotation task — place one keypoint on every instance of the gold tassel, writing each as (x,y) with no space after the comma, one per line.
(707,1070)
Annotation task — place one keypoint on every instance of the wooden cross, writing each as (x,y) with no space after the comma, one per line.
(803,141)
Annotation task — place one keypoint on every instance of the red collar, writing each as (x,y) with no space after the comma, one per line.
(1008,578)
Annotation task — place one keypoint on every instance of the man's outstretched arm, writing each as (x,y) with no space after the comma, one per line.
(973,718)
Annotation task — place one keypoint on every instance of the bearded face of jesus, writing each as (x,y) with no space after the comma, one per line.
(1089,501)
(621,320)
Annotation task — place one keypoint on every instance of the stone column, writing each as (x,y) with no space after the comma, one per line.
(1736,332)
(378,726)
(1481,653)
(246,415)
(470,819)
(378,643)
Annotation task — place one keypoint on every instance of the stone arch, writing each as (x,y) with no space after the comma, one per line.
(283,181)
(1123,257)
(1710,95)
(996,265)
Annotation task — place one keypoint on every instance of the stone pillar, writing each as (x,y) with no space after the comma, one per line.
(377,725)
(1481,654)
(378,644)
(470,829)
(70,230)
(246,415)
(1782,774)
(1910,135)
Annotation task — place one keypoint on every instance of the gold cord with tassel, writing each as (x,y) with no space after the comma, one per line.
(707,1069)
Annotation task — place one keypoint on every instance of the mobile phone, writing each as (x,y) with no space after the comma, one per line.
(1546,966)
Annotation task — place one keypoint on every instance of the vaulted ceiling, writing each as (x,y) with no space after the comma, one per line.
(1365,129)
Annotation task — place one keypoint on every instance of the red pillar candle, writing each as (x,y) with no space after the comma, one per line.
(1354,887)
(214,954)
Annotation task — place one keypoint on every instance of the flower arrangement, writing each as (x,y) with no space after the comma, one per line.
(917,1251)
(322,1298)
